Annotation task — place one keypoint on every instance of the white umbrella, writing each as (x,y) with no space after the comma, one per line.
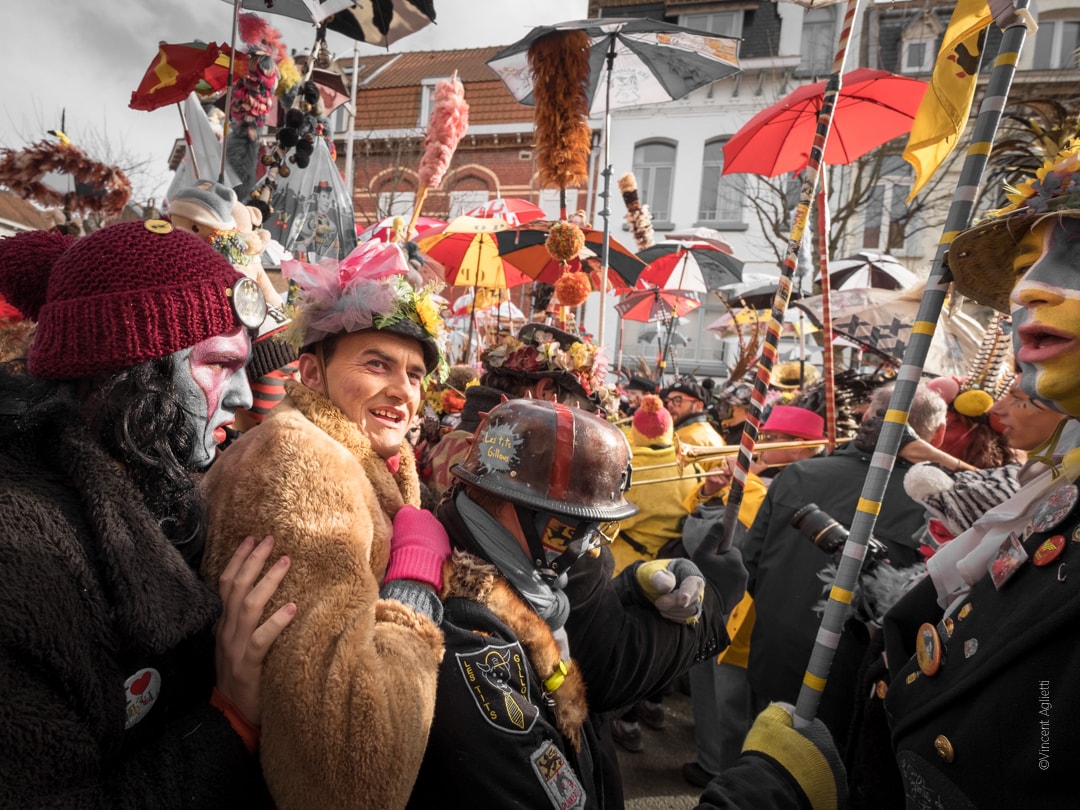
(869,269)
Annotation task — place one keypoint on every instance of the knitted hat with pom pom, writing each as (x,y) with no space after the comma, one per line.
(123,295)
(651,425)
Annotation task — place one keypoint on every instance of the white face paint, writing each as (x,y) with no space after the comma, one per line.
(212,384)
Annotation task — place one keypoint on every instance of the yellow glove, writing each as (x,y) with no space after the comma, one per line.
(808,754)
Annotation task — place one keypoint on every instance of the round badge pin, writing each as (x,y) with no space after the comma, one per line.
(1049,550)
(1055,508)
(928,649)
(158,226)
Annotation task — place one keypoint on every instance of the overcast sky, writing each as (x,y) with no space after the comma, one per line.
(87,56)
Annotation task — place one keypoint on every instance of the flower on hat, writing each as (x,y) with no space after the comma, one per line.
(1056,185)
(368,289)
(584,361)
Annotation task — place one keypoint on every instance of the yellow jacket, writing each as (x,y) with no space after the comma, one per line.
(663,506)
(741,621)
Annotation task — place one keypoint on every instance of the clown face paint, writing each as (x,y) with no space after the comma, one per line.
(212,384)
(1046,313)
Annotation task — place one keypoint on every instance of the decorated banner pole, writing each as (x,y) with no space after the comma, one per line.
(783,288)
(605,212)
(841,594)
(447,124)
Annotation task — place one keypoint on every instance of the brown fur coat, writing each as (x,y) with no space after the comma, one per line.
(348,690)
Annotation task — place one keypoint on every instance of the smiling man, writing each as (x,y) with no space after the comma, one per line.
(351,691)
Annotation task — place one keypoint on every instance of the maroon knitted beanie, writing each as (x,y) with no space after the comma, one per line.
(123,295)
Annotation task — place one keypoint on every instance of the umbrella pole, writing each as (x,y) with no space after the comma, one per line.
(674,318)
(619,349)
(187,140)
(605,212)
(838,605)
(229,92)
(828,369)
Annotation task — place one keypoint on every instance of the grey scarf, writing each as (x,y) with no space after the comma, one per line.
(505,553)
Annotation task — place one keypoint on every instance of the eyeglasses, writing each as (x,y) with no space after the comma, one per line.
(676,401)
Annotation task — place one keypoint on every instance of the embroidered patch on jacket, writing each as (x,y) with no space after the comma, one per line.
(141,690)
(558,778)
(498,679)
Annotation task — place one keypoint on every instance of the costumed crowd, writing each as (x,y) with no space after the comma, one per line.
(262,545)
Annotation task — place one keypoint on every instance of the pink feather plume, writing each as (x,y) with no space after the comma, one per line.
(446,127)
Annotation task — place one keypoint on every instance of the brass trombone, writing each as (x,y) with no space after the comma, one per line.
(686,454)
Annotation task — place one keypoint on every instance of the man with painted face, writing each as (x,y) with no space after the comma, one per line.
(535,624)
(984,693)
(983,716)
(350,688)
(107,658)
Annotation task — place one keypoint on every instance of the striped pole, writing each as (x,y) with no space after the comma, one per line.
(881,464)
(783,289)
(826,315)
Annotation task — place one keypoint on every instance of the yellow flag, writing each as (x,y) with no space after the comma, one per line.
(945,107)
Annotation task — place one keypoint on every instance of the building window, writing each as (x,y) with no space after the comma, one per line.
(462,201)
(396,203)
(918,49)
(1055,44)
(818,41)
(721,195)
(427,98)
(918,56)
(887,227)
(654,167)
(721,23)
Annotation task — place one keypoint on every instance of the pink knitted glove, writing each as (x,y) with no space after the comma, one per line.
(418,547)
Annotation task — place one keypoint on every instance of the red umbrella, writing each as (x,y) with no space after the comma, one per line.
(656,305)
(514,210)
(874,106)
(688,265)
(470,254)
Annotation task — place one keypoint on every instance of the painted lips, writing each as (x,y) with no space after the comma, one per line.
(1039,343)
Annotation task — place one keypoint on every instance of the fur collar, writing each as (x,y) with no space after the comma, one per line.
(467,576)
(393,489)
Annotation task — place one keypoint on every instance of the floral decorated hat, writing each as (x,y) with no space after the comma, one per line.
(981,258)
(368,289)
(540,350)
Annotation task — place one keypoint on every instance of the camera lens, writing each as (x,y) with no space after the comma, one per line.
(822,530)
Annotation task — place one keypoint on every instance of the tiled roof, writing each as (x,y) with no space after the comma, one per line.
(413,67)
(391,100)
(16,209)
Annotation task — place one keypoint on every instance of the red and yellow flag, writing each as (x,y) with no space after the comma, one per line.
(180,68)
(945,107)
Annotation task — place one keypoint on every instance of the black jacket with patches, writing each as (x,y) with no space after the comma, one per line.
(92,594)
(499,738)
